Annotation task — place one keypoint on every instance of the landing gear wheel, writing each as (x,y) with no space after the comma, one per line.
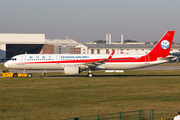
(15,75)
(90,74)
(29,75)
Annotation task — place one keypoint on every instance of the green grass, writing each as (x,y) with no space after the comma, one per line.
(58,97)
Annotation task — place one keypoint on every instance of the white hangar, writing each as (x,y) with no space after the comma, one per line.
(14,44)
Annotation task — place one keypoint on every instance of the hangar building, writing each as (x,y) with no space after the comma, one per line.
(14,44)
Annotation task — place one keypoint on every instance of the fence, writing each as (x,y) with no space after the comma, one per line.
(152,114)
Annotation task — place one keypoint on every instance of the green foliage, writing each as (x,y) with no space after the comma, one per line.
(128,40)
(100,41)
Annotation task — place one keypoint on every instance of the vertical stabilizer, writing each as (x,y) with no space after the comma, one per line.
(163,47)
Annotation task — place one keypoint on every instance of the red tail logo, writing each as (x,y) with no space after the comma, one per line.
(163,47)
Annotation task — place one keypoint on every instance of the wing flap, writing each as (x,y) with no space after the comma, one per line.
(96,63)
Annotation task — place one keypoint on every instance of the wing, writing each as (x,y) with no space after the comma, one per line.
(96,63)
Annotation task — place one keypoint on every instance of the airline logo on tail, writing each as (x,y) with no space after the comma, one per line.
(165,44)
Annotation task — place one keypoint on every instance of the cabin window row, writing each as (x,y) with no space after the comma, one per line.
(40,59)
(86,59)
(126,59)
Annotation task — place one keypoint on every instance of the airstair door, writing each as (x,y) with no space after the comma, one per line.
(57,59)
(147,59)
(100,58)
(23,59)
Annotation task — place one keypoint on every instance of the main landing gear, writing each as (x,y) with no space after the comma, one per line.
(89,73)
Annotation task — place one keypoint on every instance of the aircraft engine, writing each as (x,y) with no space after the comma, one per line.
(71,70)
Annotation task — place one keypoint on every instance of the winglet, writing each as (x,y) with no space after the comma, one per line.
(110,57)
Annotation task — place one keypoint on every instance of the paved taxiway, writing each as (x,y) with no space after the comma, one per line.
(160,68)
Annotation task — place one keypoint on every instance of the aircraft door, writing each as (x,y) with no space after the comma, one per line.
(147,59)
(100,58)
(23,59)
(57,59)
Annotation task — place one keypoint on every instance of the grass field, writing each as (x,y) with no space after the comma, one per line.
(59,98)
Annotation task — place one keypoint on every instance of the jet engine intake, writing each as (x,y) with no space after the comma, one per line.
(71,70)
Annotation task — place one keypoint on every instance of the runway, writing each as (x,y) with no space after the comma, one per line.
(160,68)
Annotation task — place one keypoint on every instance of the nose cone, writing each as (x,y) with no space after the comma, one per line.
(6,64)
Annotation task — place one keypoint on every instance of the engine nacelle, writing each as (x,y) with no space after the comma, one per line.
(71,70)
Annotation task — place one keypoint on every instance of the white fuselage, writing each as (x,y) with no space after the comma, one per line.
(58,61)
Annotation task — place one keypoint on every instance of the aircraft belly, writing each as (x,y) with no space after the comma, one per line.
(125,66)
(37,66)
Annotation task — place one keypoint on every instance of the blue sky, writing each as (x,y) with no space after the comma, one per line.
(89,20)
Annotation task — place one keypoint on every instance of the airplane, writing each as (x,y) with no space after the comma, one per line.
(73,64)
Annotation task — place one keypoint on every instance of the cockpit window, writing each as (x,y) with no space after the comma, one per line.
(13,59)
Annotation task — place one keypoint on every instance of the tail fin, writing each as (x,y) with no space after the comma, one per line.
(163,47)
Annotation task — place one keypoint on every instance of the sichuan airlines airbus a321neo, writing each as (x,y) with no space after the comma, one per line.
(73,64)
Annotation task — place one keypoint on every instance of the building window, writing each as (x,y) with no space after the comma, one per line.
(107,51)
(92,51)
(142,49)
(98,51)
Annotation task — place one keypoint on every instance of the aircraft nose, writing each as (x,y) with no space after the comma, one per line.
(6,64)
